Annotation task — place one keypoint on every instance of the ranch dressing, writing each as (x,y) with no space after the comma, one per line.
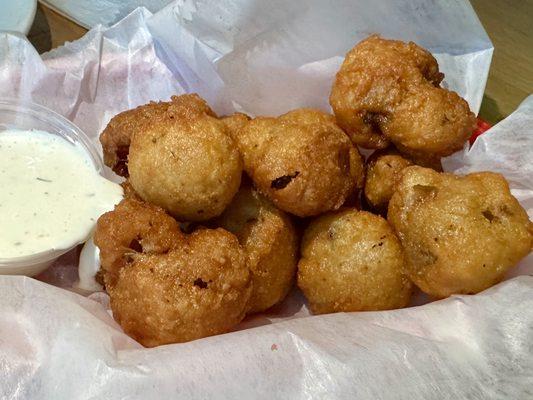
(50,193)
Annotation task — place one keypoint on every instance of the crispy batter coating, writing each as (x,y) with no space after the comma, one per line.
(235,122)
(129,191)
(116,137)
(389,91)
(460,234)
(302,161)
(133,226)
(382,171)
(270,243)
(200,288)
(185,162)
(352,261)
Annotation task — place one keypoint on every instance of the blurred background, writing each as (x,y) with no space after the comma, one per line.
(507,22)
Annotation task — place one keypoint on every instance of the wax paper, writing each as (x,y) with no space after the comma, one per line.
(264,57)
(100,12)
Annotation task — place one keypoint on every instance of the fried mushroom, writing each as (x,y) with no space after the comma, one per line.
(460,234)
(270,242)
(388,91)
(382,171)
(185,162)
(200,288)
(165,286)
(352,261)
(302,161)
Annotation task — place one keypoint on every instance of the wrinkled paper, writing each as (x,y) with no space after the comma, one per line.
(105,12)
(265,58)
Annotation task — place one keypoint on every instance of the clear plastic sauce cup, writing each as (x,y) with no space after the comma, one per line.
(17,114)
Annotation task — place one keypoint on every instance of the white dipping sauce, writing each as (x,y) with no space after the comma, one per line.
(50,193)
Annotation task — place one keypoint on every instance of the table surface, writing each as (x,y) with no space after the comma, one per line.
(507,22)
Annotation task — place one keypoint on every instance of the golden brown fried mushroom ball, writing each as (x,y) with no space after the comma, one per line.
(116,137)
(270,243)
(133,226)
(185,162)
(198,289)
(302,161)
(460,234)
(382,171)
(388,91)
(352,261)
(167,287)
